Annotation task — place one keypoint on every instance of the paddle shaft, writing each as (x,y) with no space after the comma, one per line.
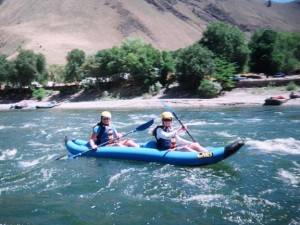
(175,115)
(187,131)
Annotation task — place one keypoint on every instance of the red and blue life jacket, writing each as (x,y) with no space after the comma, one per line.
(163,144)
(106,133)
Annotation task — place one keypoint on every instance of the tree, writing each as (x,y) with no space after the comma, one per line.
(109,63)
(167,66)
(3,68)
(26,67)
(57,73)
(286,51)
(145,64)
(227,42)
(262,46)
(8,72)
(42,74)
(273,51)
(75,59)
(142,61)
(223,73)
(192,65)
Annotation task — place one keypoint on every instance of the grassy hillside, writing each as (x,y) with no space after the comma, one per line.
(54,27)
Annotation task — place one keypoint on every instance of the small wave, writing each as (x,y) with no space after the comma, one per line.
(2,127)
(47,174)
(28,125)
(254,120)
(200,123)
(26,164)
(286,145)
(8,154)
(117,176)
(63,130)
(205,199)
(254,201)
(225,134)
(289,177)
(34,143)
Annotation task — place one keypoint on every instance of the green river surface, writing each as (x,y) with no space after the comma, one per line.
(257,185)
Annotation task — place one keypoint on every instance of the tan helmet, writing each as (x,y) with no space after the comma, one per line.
(106,114)
(167,115)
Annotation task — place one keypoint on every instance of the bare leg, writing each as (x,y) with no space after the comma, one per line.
(130,143)
(197,147)
(185,149)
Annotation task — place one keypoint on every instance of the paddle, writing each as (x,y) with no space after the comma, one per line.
(139,128)
(174,113)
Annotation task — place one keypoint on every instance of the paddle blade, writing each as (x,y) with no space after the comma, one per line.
(145,125)
(65,157)
(170,109)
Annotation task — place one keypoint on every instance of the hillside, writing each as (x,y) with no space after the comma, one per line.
(54,27)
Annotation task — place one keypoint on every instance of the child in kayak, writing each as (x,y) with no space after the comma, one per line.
(106,135)
(168,138)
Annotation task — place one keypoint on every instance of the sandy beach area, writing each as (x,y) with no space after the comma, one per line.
(236,97)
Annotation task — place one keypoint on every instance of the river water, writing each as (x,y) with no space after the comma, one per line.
(257,185)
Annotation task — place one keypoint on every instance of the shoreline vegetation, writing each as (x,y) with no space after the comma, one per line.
(236,97)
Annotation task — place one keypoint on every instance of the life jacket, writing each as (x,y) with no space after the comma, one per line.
(163,144)
(106,134)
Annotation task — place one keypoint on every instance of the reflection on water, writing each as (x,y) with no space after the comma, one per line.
(258,185)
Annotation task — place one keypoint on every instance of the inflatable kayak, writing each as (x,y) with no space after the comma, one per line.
(275,100)
(148,153)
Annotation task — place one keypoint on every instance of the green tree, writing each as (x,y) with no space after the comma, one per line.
(109,63)
(227,42)
(262,46)
(145,64)
(167,66)
(74,71)
(224,71)
(285,52)
(42,73)
(26,65)
(142,61)
(192,65)
(3,68)
(57,73)
(8,73)
(273,51)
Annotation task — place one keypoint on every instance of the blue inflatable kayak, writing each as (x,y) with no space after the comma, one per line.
(149,153)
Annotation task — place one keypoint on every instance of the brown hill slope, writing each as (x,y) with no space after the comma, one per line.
(54,27)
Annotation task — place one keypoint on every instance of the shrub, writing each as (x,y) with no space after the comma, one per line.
(40,93)
(155,88)
(209,89)
(292,86)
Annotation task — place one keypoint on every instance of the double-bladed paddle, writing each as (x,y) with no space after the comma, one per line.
(174,113)
(139,128)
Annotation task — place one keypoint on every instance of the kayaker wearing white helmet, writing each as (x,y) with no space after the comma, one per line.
(104,132)
(168,138)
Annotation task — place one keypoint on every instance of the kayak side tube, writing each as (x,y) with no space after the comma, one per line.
(148,153)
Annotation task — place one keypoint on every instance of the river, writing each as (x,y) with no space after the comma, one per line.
(257,185)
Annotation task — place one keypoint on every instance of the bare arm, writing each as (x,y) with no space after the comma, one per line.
(92,140)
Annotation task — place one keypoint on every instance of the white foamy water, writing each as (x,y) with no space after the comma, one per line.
(205,200)
(289,177)
(225,134)
(202,123)
(117,176)
(31,163)
(282,145)
(29,125)
(8,154)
